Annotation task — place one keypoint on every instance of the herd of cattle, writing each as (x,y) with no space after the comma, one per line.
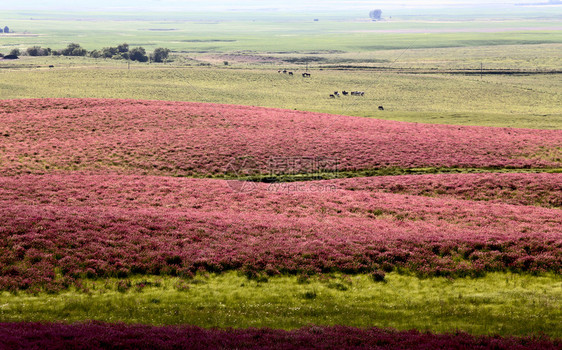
(352,93)
(336,93)
(345,93)
(284,71)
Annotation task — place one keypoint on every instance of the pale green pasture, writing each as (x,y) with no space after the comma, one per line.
(503,57)
(531,101)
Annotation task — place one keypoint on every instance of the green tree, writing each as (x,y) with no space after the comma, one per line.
(15,52)
(74,49)
(375,14)
(123,47)
(6,29)
(121,56)
(138,54)
(109,52)
(95,54)
(124,55)
(38,51)
(160,54)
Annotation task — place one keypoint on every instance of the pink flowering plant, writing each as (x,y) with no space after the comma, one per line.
(88,226)
(196,139)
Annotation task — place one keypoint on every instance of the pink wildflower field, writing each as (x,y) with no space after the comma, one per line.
(98,188)
(83,193)
(96,226)
(196,139)
(97,335)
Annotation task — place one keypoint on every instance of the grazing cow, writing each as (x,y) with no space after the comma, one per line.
(290,73)
(381,108)
(345,93)
(304,75)
(337,93)
(357,93)
(279,71)
(332,96)
(284,71)
(51,66)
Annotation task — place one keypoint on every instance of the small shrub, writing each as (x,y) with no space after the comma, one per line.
(387,267)
(181,286)
(338,286)
(254,275)
(123,286)
(139,286)
(197,281)
(303,279)
(310,295)
(378,276)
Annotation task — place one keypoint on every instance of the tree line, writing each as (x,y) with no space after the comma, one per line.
(122,51)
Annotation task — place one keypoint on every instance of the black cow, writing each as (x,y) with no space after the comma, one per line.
(381,108)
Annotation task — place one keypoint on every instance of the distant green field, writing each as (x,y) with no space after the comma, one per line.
(271,33)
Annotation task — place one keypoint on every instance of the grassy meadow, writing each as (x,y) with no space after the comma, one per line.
(500,303)
(527,101)
(423,71)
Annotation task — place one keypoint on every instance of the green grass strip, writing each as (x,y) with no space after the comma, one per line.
(499,303)
(392,171)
